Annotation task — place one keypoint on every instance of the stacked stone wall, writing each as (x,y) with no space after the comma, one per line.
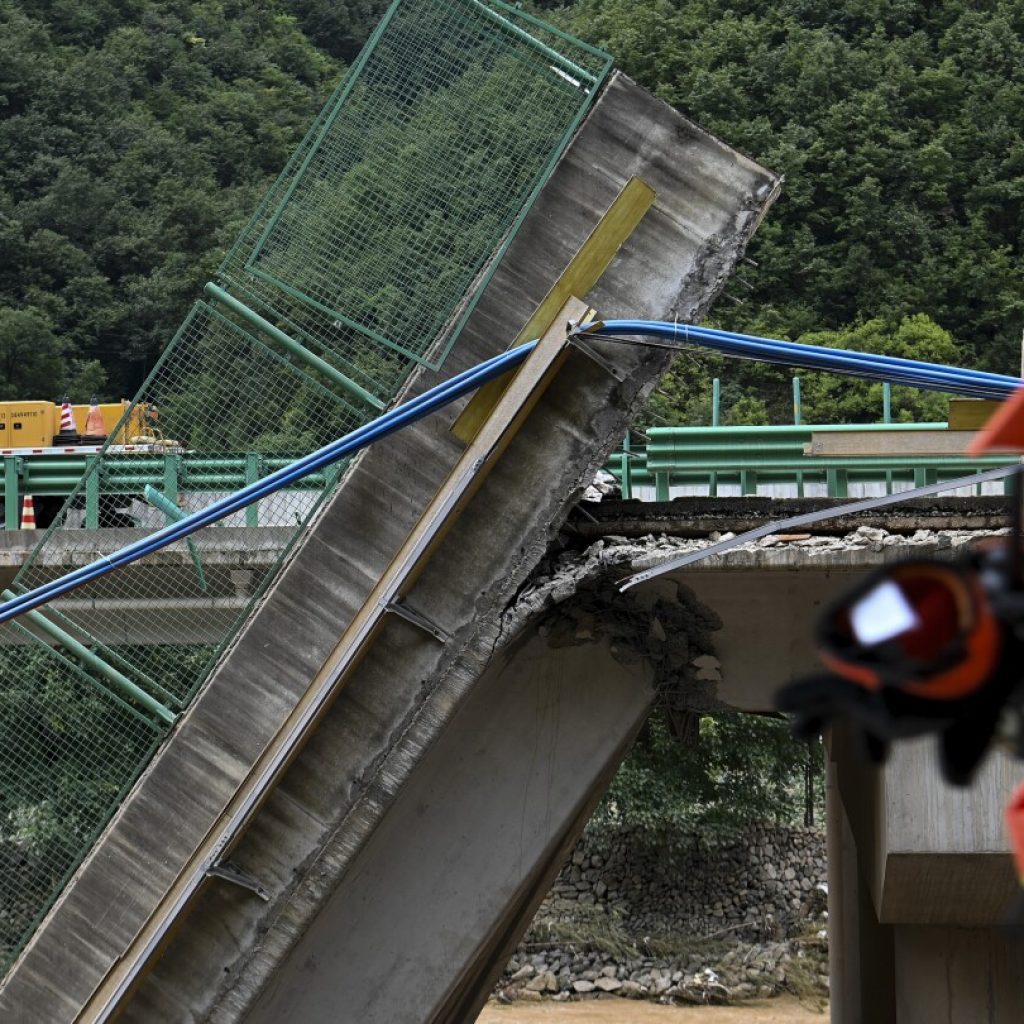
(682,920)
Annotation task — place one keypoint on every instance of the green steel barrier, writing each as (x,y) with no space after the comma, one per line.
(749,455)
(365,259)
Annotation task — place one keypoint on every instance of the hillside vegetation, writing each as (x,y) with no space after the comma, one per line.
(898,127)
(137,136)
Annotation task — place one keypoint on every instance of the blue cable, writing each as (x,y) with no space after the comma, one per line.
(712,332)
(931,376)
(918,374)
(914,373)
(390,422)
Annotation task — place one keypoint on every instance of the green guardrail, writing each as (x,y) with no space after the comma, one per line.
(663,456)
(171,474)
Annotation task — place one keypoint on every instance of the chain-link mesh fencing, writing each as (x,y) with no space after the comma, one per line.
(363,260)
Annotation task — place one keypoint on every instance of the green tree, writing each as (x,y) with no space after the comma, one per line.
(898,127)
(137,138)
(35,363)
(742,768)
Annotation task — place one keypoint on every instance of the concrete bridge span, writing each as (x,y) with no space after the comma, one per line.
(278,790)
(326,835)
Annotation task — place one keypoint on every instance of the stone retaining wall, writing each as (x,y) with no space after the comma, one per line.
(767,883)
(686,921)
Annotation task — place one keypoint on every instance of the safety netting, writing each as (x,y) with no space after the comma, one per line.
(364,260)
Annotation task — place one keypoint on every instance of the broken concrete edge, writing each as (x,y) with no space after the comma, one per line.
(716,261)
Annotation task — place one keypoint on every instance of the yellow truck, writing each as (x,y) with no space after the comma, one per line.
(32,427)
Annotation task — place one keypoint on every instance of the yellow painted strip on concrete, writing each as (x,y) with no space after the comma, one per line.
(585,269)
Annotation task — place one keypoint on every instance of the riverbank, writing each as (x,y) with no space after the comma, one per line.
(784,1010)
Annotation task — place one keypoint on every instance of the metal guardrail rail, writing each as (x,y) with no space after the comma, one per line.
(174,474)
(663,457)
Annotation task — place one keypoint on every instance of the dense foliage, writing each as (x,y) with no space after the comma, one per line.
(137,137)
(898,127)
(57,726)
(737,769)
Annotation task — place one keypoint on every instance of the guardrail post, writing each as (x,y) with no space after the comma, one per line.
(716,419)
(625,484)
(748,481)
(12,498)
(836,483)
(92,492)
(661,484)
(252,474)
(171,478)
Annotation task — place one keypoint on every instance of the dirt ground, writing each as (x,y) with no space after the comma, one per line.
(625,1011)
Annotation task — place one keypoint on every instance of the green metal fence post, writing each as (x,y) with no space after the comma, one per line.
(175,515)
(12,498)
(716,418)
(748,481)
(836,483)
(252,474)
(887,418)
(92,492)
(96,663)
(625,485)
(332,373)
(661,487)
(171,478)
(798,418)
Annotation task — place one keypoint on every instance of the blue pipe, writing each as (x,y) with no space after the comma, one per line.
(392,421)
(818,357)
(887,368)
(824,349)
(927,375)
(930,376)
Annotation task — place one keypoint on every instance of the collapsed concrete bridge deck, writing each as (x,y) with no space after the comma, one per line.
(311,770)
(328,828)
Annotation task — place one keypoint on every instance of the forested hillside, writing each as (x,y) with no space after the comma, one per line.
(136,137)
(898,126)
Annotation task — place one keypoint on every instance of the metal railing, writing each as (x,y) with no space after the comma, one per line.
(663,458)
(363,261)
(176,476)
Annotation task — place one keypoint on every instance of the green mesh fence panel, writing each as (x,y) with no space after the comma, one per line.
(368,253)
(418,169)
(70,747)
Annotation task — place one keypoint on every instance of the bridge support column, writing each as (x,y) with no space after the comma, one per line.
(862,978)
(919,882)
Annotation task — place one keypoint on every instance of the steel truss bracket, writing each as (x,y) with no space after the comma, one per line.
(420,621)
(229,872)
(590,351)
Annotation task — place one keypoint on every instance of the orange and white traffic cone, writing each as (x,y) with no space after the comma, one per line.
(28,513)
(68,429)
(95,429)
